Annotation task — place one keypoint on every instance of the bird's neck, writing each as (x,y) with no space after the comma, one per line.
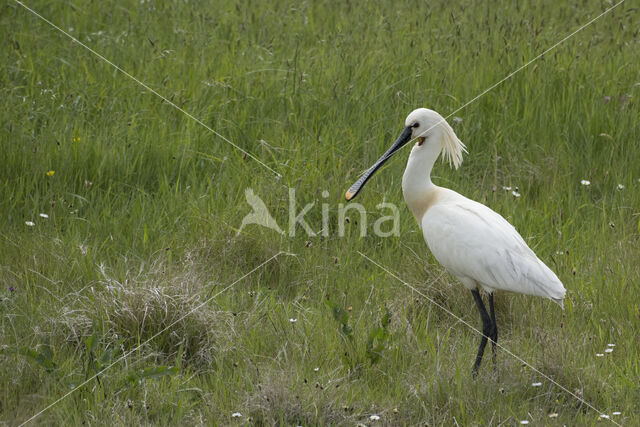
(418,190)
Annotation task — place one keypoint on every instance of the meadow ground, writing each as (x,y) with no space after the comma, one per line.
(144,205)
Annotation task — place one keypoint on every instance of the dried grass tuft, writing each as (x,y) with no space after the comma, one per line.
(151,302)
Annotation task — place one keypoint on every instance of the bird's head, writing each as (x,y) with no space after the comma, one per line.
(429,129)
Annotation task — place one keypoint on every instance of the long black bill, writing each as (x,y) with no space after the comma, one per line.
(404,137)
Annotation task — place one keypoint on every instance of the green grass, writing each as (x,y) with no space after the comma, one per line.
(145,204)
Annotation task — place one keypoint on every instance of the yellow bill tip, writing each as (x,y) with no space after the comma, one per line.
(348,195)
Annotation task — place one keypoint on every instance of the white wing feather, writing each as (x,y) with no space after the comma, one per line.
(473,242)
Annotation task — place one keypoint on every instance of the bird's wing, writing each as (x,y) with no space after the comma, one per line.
(470,240)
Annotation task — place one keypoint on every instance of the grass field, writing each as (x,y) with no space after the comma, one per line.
(144,207)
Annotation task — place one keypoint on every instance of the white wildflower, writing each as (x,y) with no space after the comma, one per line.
(616,413)
(599,354)
(515,194)
(30,223)
(236,415)
(536,384)
(620,187)
(553,415)
(44,215)
(374,417)
(585,182)
(608,350)
(611,345)
(524,422)
(293,320)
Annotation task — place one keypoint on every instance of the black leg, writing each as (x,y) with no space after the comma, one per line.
(486,329)
(494,329)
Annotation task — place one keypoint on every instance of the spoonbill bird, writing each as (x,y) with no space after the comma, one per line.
(471,241)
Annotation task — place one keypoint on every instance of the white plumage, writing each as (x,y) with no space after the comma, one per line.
(471,241)
(479,246)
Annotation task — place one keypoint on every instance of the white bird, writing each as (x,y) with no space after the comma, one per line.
(471,241)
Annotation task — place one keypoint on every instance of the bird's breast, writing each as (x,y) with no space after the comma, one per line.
(420,202)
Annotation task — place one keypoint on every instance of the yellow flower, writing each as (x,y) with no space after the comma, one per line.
(51,173)
(76,139)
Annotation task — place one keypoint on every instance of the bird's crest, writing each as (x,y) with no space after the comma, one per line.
(452,147)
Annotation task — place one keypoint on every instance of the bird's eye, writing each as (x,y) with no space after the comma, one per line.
(415,125)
